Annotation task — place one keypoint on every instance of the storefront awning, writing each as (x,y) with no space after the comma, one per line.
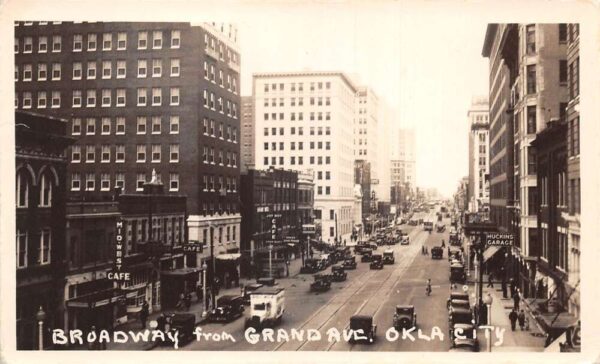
(181,272)
(489,252)
(232,256)
(97,299)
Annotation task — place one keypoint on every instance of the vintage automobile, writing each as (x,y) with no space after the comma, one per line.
(455,303)
(457,273)
(454,253)
(181,323)
(366,256)
(376,262)
(463,331)
(404,240)
(440,227)
(363,329)
(464,345)
(457,295)
(437,252)
(342,253)
(454,240)
(373,246)
(349,263)
(248,289)
(459,316)
(388,257)
(405,317)
(324,261)
(266,281)
(310,266)
(360,248)
(413,222)
(338,274)
(322,283)
(228,308)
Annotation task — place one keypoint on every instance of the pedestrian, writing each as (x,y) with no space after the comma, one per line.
(180,303)
(199,292)
(188,301)
(512,316)
(422,249)
(490,283)
(161,322)
(522,320)
(144,314)
(512,288)
(516,299)
(504,294)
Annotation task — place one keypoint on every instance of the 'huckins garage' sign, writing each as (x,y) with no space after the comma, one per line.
(117,274)
(499,239)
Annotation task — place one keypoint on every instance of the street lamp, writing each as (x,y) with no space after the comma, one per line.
(488,299)
(40,317)
(204,267)
(270,261)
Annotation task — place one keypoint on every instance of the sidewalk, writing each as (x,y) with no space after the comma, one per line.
(196,308)
(518,340)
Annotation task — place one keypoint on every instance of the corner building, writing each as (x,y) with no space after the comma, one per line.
(304,120)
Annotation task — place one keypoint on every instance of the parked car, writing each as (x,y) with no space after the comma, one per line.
(437,252)
(248,289)
(463,331)
(349,263)
(362,326)
(310,266)
(405,317)
(464,345)
(360,248)
(376,262)
(460,316)
(338,274)
(457,273)
(457,295)
(454,253)
(228,308)
(182,324)
(366,256)
(404,240)
(455,303)
(440,227)
(322,283)
(388,256)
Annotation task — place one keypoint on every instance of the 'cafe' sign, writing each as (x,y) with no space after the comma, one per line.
(117,274)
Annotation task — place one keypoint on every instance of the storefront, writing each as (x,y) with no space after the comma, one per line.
(101,309)
(175,282)
(227,266)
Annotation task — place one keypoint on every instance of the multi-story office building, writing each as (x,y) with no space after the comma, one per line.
(247,134)
(40,224)
(306,192)
(304,120)
(406,158)
(366,128)
(362,177)
(478,154)
(574,180)
(138,97)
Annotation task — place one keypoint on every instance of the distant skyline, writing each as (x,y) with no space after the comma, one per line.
(427,80)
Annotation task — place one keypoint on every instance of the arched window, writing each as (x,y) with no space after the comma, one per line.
(45,191)
(22,189)
(22,238)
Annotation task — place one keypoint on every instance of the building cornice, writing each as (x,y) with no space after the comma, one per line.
(308,74)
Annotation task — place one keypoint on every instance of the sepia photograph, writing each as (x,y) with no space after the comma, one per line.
(321,177)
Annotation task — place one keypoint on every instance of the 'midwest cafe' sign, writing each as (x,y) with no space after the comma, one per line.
(117,274)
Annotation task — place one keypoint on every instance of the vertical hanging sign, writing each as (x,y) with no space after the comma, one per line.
(118,274)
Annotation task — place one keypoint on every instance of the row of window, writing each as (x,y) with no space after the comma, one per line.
(319,101)
(120,154)
(224,133)
(23,186)
(211,76)
(119,181)
(319,131)
(91,42)
(319,116)
(41,254)
(228,107)
(106,125)
(228,159)
(326,190)
(300,86)
(313,145)
(219,184)
(91,98)
(300,159)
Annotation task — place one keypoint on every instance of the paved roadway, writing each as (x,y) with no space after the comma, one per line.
(372,292)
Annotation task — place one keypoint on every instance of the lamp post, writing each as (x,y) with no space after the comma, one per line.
(204,267)
(40,317)
(270,261)
(488,299)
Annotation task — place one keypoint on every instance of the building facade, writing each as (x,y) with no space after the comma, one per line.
(407,156)
(247,134)
(40,168)
(362,177)
(304,120)
(479,167)
(366,128)
(141,96)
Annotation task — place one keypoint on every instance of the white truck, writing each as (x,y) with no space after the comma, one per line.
(267,305)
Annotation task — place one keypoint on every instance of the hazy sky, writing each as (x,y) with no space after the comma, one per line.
(426,66)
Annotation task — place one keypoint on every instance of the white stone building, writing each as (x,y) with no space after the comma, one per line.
(479,160)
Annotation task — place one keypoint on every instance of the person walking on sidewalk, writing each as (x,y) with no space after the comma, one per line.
(504,294)
(490,283)
(144,314)
(522,320)
(516,299)
(512,288)
(512,316)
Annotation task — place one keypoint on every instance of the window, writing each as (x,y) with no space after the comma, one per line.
(45,244)
(120,153)
(76,98)
(156,151)
(90,100)
(106,69)
(140,180)
(41,101)
(121,41)
(22,195)
(156,125)
(90,154)
(156,67)
(175,38)
(142,68)
(55,71)
(106,41)
(156,96)
(27,72)
(142,96)
(173,181)
(120,181)
(77,42)
(121,100)
(42,72)
(531,161)
(562,71)
(105,126)
(42,44)
(105,155)
(562,33)
(174,96)
(530,39)
(157,39)
(16,45)
(531,120)
(574,79)
(77,70)
(141,125)
(76,127)
(106,97)
(90,181)
(91,70)
(121,69)
(27,100)
(141,153)
(55,99)
(75,182)
(531,79)
(174,67)
(91,42)
(174,153)
(28,45)
(142,40)
(120,126)
(22,241)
